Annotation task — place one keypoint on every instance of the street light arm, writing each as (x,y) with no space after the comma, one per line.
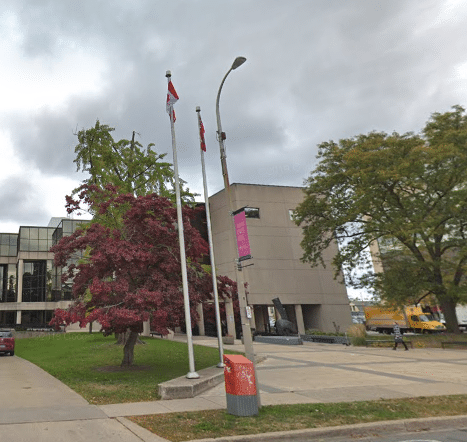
(219,126)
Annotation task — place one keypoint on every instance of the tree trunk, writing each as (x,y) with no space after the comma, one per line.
(128,349)
(449,310)
(122,338)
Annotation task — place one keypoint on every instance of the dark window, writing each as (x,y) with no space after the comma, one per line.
(36,318)
(34,281)
(414,318)
(3,282)
(251,212)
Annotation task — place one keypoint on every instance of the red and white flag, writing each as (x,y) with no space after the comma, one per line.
(201,134)
(172,98)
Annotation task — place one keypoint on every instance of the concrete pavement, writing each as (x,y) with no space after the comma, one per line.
(312,373)
(35,406)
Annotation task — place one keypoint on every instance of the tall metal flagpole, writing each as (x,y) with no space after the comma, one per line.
(211,249)
(181,238)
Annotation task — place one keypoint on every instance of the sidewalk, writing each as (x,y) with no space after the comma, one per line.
(36,406)
(312,373)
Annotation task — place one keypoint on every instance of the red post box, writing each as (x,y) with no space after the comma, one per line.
(240,385)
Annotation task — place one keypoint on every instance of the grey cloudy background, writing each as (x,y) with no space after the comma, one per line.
(316,70)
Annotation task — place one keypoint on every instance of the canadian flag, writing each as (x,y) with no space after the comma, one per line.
(201,134)
(172,98)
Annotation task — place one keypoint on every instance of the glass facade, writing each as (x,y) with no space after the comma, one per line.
(36,281)
(35,239)
(7,283)
(8,244)
(36,318)
(62,290)
(25,265)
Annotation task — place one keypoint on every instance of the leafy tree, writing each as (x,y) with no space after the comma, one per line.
(131,274)
(124,164)
(408,193)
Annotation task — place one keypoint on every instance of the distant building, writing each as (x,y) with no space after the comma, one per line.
(30,285)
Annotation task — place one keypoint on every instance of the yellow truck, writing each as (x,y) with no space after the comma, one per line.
(409,319)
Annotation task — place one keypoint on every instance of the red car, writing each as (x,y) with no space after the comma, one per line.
(7,342)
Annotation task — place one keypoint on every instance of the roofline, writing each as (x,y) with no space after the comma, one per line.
(259,185)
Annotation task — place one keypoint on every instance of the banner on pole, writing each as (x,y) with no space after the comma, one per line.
(241,231)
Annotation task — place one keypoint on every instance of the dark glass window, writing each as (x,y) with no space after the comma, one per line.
(251,212)
(36,318)
(35,281)
(3,282)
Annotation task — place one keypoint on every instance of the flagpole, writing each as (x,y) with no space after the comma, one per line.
(211,248)
(181,238)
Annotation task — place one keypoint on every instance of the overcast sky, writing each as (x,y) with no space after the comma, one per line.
(316,70)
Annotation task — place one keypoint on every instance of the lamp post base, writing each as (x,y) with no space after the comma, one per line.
(192,375)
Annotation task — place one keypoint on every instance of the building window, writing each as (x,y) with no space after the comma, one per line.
(3,282)
(35,281)
(251,212)
(8,244)
(35,239)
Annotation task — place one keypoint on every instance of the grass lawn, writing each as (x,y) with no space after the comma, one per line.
(90,364)
(217,423)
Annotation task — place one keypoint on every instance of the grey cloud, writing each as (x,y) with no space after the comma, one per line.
(19,201)
(315,71)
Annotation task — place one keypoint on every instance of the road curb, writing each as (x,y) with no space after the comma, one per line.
(358,430)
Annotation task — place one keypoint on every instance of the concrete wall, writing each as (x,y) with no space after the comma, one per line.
(275,247)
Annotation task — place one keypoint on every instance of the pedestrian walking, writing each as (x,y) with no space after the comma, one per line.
(398,337)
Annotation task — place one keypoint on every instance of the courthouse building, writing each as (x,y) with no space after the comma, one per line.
(312,297)
(31,288)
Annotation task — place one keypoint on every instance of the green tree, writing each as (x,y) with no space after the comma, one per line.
(407,193)
(124,164)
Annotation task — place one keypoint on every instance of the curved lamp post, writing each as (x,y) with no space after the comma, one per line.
(221,135)
(246,329)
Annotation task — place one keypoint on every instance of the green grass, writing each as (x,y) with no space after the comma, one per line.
(178,427)
(418,341)
(90,364)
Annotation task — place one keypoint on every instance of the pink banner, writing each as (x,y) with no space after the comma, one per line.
(243,243)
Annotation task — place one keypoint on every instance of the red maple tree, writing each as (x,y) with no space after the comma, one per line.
(132,273)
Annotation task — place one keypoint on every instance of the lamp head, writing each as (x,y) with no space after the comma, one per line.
(238,62)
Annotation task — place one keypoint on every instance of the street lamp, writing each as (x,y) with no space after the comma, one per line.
(221,135)
(246,329)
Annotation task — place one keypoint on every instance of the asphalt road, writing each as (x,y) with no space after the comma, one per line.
(452,435)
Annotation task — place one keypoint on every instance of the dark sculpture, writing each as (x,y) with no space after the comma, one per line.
(284,327)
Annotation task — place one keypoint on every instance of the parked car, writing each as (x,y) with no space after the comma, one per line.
(7,342)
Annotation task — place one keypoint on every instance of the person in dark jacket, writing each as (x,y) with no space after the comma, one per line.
(398,336)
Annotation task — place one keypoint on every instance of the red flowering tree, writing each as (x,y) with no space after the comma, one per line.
(132,273)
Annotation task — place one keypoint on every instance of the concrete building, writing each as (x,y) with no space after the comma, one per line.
(312,297)
(31,287)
